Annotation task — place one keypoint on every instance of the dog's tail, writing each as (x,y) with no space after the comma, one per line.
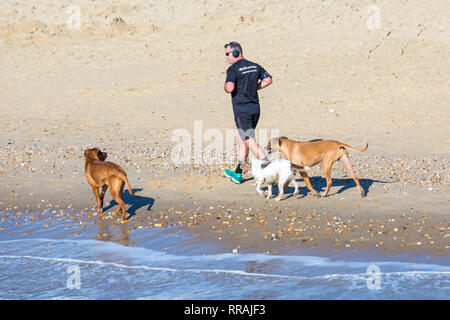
(343,145)
(125,179)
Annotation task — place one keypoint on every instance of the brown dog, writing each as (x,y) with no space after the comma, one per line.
(308,154)
(103,174)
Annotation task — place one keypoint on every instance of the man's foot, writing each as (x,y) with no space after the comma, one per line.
(235,177)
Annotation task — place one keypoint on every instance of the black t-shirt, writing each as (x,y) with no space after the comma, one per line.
(245,75)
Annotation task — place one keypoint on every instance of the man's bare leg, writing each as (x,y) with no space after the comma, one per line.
(255,148)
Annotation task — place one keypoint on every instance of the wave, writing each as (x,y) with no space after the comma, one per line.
(235,272)
(140,257)
(38,269)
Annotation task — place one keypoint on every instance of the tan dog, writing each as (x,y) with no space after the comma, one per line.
(308,154)
(103,174)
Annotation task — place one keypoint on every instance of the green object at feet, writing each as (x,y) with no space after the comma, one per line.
(235,177)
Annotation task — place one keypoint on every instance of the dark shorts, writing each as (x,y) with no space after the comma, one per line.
(246,120)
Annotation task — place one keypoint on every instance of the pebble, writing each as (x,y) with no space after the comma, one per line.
(36,158)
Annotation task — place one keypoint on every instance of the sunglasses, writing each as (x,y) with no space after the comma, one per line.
(228,53)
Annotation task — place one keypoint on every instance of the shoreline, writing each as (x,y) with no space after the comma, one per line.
(184,267)
(242,221)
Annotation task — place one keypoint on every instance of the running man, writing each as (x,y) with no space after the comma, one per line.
(244,78)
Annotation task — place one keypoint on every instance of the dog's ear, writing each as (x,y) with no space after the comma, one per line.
(265,164)
(276,141)
(280,140)
(103,156)
(85,152)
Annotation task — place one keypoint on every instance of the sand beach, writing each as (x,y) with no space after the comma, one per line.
(129,76)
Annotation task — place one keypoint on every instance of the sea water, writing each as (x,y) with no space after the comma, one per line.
(170,264)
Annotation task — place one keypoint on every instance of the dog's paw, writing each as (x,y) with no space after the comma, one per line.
(363,194)
(277,198)
(124,218)
(317,195)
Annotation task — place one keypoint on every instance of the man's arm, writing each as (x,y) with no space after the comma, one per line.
(229,87)
(264,83)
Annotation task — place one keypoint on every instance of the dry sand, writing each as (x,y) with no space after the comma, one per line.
(136,71)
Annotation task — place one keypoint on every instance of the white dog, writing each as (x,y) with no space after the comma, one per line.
(269,173)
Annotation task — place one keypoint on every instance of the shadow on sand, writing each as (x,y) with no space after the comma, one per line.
(133,203)
(319,183)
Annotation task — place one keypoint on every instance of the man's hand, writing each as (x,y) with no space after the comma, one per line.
(229,87)
(264,83)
